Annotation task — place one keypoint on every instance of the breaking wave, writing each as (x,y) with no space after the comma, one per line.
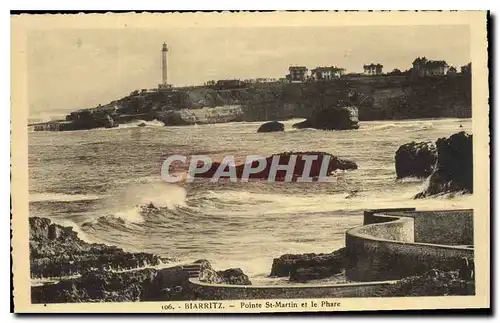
(136,123)
(129,204)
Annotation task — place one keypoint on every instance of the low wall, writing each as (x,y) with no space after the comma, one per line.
(393,228)
(444,227)
(389,245)
(206,291)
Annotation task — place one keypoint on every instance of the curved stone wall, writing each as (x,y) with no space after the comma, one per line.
(443,227)
(393,245)
(388,246)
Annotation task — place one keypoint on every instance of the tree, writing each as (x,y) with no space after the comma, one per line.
(395,71)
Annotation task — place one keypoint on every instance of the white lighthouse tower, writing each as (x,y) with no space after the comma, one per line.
(164,71)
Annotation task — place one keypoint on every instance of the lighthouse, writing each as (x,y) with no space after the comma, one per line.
(164,75)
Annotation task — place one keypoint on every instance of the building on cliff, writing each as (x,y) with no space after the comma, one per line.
(424,67)
(466,69)
(452,71)
(373,69)
(327,73)
(297,74)
(229,84)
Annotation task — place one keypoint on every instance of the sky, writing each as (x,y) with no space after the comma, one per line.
(71,69)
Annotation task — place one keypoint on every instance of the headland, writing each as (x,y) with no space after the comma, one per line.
(377,97)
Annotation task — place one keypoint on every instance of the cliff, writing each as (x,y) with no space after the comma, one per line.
(56,251)
(376,97)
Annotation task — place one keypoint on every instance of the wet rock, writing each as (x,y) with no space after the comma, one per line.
(107,121)
(271,126)
(416,159)
(352,194)
(85,272)
(169,284)
(208,274)
(334,118)
(171,118)
(57,251)
(334,163)
(309,266)
(454,168)
(86,119)
(232,276)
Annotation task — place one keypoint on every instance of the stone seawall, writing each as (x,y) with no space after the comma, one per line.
(443,227)
(396,245)
(391,244)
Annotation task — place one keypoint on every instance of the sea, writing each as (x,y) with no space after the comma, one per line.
(97,180)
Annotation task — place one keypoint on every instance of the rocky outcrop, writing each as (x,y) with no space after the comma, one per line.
(392,97)
(416,159)
(84,272)
(147,284)
(334,164)
(454,167)
(57,251)
(86,119)
(271,126)
(232,276)
(432,283)
(171,118)
(335,118)
(309,266)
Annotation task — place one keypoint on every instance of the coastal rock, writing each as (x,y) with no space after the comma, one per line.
(208,274)
(380,98)
(57,251)
(169,284)
(271,126)
(454,169)
(174,119)
(309,266)
(432,283)
(415,159)
(232,276)
(335,118)
(334,163)
(108,122)
(86,119)
(73,270)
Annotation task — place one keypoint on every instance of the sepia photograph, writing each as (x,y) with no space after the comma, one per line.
(250,162)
